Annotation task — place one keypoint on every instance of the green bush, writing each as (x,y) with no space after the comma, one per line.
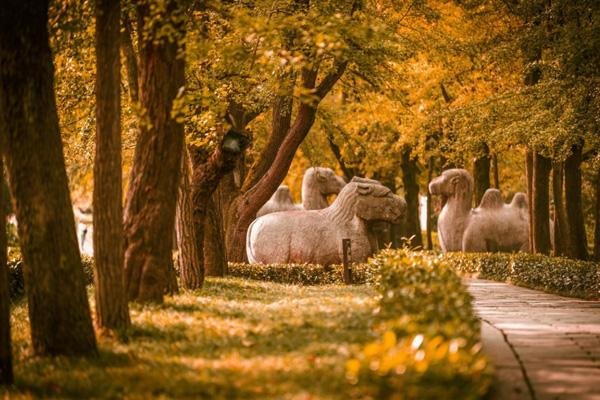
(428,346)
(16,281)
(300,274)
(552,274)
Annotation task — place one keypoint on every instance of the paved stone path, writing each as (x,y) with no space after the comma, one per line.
(543,346)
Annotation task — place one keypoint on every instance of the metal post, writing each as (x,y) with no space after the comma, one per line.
(347,257)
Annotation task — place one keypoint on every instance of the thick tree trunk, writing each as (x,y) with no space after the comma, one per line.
(111,302)
(560,233)
(191,270)
(215,259)
(131,62)
(244,208)
(411,195)
(6,368)
(541,204)
(151,200)
(481,173)
(578,242)
(597,218)
(206,176)
(59,312)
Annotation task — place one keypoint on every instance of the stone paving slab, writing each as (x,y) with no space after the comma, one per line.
(545,347)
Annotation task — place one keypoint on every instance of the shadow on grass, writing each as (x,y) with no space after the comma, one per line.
(233,339)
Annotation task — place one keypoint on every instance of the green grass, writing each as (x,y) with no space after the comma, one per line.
(232,339)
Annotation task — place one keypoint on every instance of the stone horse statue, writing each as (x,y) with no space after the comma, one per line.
(317,184)
(493,226)
(315,236)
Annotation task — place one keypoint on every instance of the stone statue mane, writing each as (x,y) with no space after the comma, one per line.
(317,184)
(280,201)
(492,226)
(315,236)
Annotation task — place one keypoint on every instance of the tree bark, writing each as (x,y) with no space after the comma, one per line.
(411,195)
(150,205)
(59,311)
(6,367)
(215,259)
(529,177)
(245,206)
(481,173)
(206,176)
(191,270)
(541,204)
(597,218)
(131,62)
(560,233)
(111,302)
(430,166)
(496,171)
(573,203)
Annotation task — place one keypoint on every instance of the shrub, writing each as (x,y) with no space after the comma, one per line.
(552,274)
(429,336)
(300,274)
(16,281)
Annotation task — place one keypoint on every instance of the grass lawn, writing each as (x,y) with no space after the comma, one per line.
(233,339)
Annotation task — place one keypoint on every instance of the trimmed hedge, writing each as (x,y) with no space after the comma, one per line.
(563,276)
(300,274)
(16,281)
(428,346)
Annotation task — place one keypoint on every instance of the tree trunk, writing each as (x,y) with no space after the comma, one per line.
(481,173)
(150,205)
(496,171)
(411,195)
(597,218)
(6,368)
(529,177)
(244,207)
(560,233)
(59,312)
(541,204)
(191,270)
(215,259)
(111,302)
(578,242)
(430,166)
(131,62)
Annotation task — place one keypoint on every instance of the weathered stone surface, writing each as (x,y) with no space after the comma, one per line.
(315,236)
(556,341)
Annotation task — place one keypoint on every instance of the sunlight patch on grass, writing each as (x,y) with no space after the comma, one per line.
(232,339)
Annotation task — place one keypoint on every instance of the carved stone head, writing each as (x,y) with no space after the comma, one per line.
(326,180)
(376,202)
(451,182)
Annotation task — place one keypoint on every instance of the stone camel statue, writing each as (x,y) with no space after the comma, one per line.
(317,184)
(280,201)
(315,236)
(492,226)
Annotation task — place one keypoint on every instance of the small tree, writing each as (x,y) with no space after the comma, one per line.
(111,302)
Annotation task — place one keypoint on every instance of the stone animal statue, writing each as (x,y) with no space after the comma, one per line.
(315,236)
(317,184)
(280,201)
(493,226)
